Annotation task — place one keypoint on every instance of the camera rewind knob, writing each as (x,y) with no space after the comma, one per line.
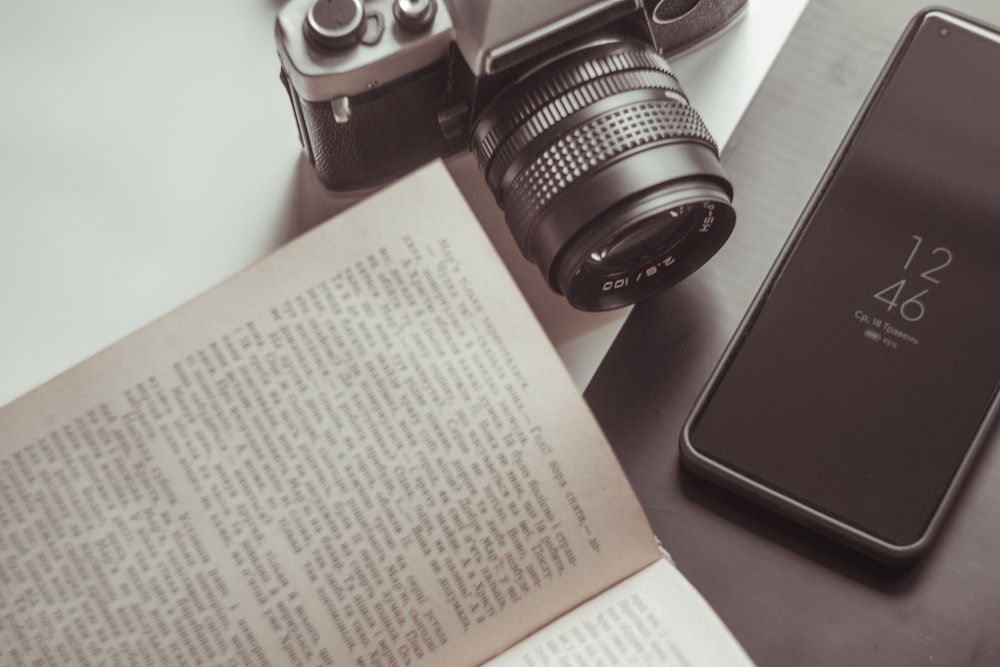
(336,24)
(414,15)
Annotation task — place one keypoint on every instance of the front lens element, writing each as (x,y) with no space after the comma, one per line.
(609,180)
(642,246)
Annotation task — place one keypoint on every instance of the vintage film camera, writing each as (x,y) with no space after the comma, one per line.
(608,178)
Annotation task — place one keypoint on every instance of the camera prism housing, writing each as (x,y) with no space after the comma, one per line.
(609,179)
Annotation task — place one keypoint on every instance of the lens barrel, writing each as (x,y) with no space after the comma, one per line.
(609,179)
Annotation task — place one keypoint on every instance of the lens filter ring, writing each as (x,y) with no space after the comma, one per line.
(643,245)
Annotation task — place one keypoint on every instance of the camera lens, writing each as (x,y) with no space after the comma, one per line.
(608,178)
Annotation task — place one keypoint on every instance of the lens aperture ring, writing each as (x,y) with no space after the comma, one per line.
(559,109)
(532,95)
(593,145)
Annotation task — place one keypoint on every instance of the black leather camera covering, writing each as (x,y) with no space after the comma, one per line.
(392,130)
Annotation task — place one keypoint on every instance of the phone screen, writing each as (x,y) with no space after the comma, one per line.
(870,364)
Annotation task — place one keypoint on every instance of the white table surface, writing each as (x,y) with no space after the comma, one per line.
(148,151)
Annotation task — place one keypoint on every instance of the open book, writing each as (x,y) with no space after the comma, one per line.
(362,450)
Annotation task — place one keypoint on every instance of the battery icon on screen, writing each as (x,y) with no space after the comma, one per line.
(871,334)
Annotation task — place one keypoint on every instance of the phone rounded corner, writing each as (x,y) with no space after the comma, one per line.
(932,8)
(691,458)
(900,557)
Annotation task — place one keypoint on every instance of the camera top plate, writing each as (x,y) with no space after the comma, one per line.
(321,74)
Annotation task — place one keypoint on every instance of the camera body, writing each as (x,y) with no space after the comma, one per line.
(405,85)
(609,180)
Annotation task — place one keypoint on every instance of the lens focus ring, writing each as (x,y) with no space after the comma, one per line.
(494,128)
(561,108)
(592,145)
(556,85)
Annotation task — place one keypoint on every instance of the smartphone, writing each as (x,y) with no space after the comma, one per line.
(859,386)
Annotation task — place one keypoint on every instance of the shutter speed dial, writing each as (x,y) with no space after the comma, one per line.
(340,24)
(336,24)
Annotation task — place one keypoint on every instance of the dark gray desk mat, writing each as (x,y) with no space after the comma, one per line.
(790,597)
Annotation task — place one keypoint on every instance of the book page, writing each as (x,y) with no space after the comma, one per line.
(654,618)
(360,451)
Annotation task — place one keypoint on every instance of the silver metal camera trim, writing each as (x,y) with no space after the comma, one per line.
(485,37)
(323,75)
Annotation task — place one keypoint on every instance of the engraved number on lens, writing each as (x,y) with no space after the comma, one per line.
(911,308)
(620,283)
(706,224)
